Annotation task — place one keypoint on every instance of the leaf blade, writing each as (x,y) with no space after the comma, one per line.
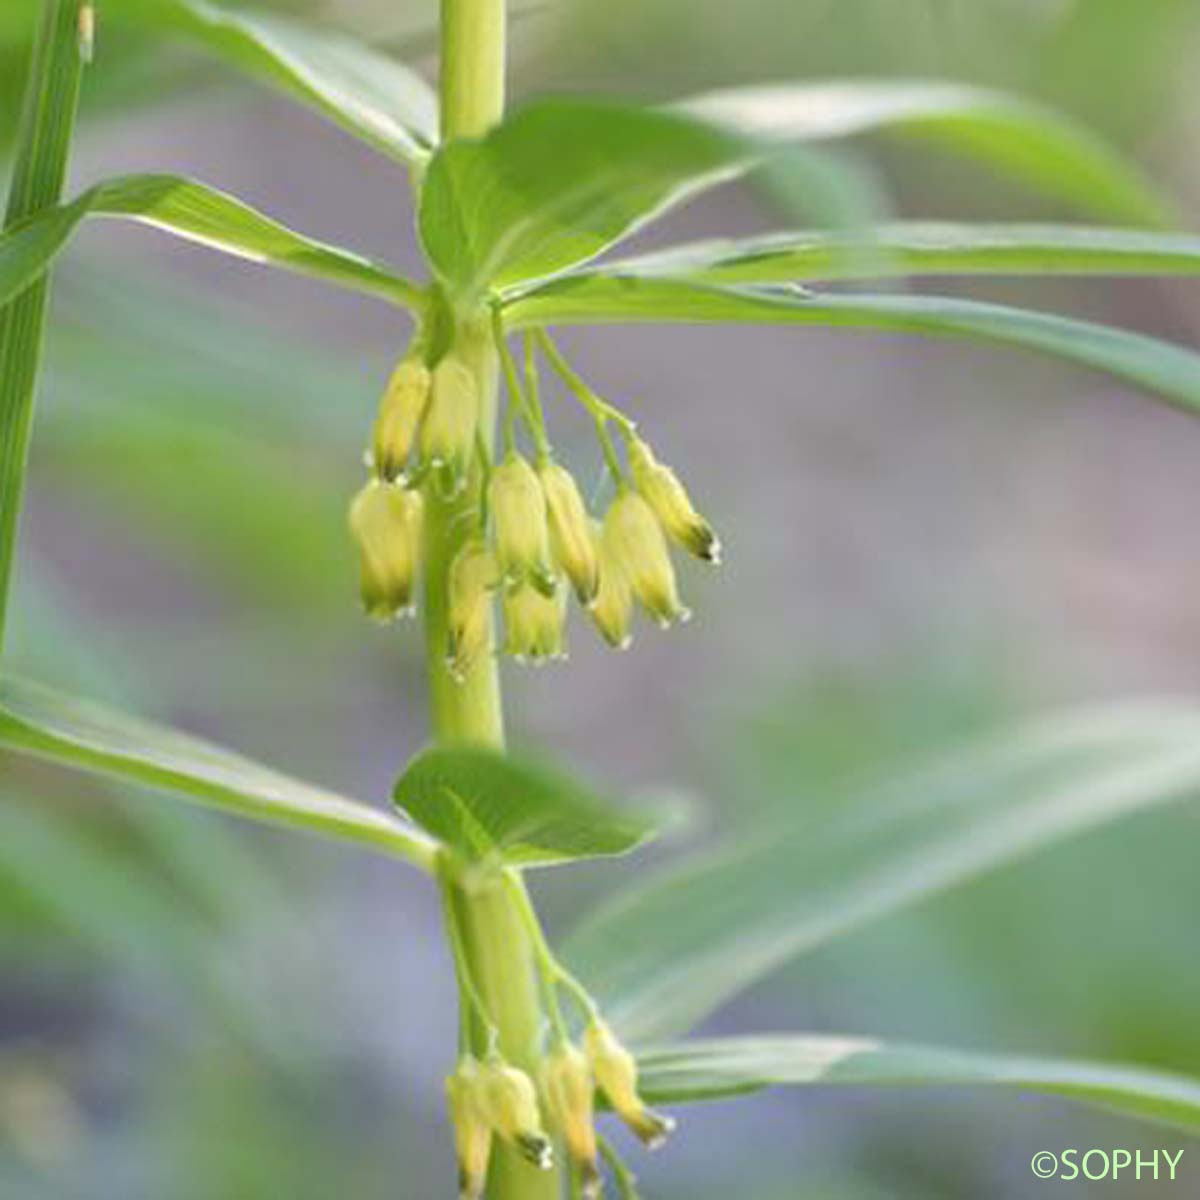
(197,213)
(82,735)
(1032,143)
(366,93)
(907,248)
(668,953)
(1171,371)
(489,805)
(714,1068)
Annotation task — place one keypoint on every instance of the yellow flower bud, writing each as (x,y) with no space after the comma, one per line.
(472,1130)
(612,609)
(400,414)
(534,625)
(448,431)
(472,575)
(511,1107)
(616,1073)
(522,532)
(385,520)
(568,1087)
(662,490)
(634,538)
(570,530)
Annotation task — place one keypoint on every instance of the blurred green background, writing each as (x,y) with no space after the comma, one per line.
(924,541)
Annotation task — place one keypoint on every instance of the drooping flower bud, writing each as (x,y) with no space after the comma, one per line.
(400,412)
(568,1087)
(473,574)
(385,519)
(472,1129)
(522,531)
(616,1073)
(666,495)
(570,530)
(510,1103)
(612,609)
(448,430)
(534,624)
(633,536)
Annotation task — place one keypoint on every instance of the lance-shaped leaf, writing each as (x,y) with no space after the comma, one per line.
(1045,149)
(86,736)
(198,214)
(492,806)
(921,248)
(562,179)
(669,952)
(593,298)
(362,90)
(708,1070)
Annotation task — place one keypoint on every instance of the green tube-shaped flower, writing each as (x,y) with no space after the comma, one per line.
(472,1129)
(400,412)
(571,540)
(385,519)
(634,539)
(511,1106)
(616,1073)
(447,438)
(522,529)
(661,488)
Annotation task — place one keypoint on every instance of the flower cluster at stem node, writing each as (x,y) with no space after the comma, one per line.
(525,535)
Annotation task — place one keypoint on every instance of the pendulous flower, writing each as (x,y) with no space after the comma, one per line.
(472,1129)
(634,539)
(473,574)
(661,488)
(534,624)
(571,540)
(612,609)
(385,519)
(400,412)
(569,1089)
(616,1073)
(522,529)
(511,1107)
(447,438)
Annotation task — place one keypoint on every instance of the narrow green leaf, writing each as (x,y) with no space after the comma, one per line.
(921,248)
(599,298)
(43,148)
(1040,147)
(493,806)
(368,94)
(557,182)
(199,214)
(85,736)
(667,953)
(708,1070)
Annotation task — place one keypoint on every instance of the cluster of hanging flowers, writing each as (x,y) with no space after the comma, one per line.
(533,538)
(490,1099)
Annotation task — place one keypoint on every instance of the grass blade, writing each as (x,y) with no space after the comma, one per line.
(708,1070)
(199,214)
(44,145)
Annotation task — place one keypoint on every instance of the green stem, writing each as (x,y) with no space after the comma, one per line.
(495,942)
(43,148)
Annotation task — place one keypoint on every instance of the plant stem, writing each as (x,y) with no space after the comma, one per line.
(43,147)
(491,924)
